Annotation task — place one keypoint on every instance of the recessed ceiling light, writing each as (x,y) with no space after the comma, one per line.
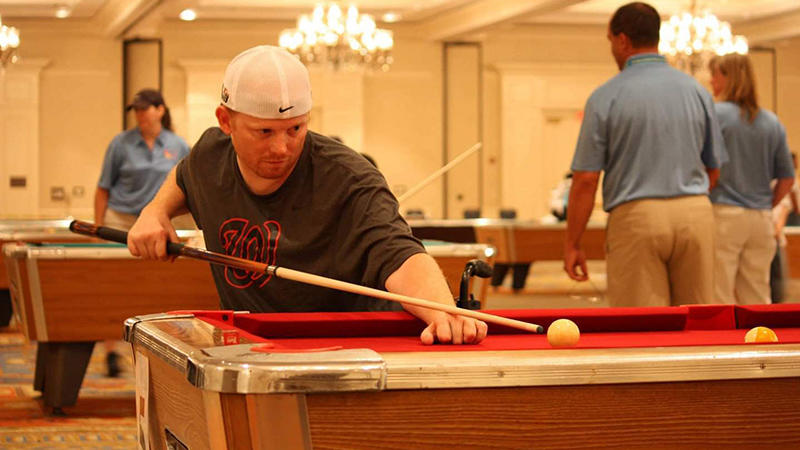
(391,17)
(62,12)
(188,14)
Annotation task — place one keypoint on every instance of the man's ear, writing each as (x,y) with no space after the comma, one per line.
(626,42)
(224,119)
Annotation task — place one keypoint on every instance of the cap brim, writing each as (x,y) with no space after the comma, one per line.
(138,105)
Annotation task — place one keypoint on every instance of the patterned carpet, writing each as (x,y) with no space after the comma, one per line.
(103,418)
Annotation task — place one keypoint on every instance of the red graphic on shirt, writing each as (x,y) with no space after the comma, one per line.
(254,242)
(169,154)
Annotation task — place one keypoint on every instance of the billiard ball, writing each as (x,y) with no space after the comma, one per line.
(760,334)
(563,333)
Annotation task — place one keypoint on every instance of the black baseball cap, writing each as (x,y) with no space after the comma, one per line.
(145,98)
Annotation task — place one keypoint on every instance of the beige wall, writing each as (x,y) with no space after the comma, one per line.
(81,90)
(529,142)
(80,109)
(788,87)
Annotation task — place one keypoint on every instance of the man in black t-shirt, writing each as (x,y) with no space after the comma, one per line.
(263,187)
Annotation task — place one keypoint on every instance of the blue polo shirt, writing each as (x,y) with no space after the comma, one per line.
(758,154)
(653,130)
(132,173)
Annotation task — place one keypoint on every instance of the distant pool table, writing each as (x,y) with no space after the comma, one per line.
(68,296)
(39,231)
(518,242)
(649,377)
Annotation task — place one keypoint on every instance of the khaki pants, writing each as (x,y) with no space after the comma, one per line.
(119,220)
(745,245)
(660,252)
(123,221)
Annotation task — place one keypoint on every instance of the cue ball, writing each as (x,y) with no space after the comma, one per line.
(760,334)
(563,333)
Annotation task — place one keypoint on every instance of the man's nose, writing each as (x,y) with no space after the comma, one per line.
(279,145)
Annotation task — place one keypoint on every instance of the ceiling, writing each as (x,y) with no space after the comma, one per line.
(759,20)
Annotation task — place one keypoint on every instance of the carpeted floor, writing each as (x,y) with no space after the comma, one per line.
(103,417)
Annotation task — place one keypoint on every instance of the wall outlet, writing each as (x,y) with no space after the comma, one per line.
(78,191)
(57,193)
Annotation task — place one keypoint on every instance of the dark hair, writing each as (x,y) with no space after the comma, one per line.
(151,97)
(639,21)
(166,119)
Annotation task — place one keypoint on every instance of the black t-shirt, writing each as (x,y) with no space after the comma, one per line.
(334,216)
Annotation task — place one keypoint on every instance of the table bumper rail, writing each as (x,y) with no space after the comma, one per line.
(241,369)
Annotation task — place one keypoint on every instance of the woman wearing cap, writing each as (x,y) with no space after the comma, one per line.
(743,198)
(136,162)
(135,165)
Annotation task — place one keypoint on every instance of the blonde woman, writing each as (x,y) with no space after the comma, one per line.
(745,194)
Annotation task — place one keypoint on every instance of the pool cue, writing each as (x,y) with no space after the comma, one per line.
(438,173)
(177,249)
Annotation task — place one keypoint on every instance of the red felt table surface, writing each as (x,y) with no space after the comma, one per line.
(600,328)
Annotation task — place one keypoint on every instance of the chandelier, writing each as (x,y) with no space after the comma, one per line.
(329,36)
(689,40)
(9,42)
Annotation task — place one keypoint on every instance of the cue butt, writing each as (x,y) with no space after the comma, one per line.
(114,235)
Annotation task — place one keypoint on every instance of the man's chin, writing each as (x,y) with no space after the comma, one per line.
(272,174)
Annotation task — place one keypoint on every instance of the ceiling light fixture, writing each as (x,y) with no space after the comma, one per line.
(390,17)
(329,36)
(188,15)
(689,40)
(62,12)
(9,42)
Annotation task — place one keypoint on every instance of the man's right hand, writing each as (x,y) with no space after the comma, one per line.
(149,235)
(575,259)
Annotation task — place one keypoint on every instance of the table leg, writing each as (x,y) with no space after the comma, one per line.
(60,368)
(5,307)
(520,274)
(499,273)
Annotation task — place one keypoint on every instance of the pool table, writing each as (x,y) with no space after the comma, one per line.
(648,377)
(30,230)
(39,231)
(519,243)
(67,296)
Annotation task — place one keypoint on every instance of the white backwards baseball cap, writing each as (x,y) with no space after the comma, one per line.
(267,82)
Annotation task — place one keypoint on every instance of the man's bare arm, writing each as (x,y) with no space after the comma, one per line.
(579,209)
(420,277)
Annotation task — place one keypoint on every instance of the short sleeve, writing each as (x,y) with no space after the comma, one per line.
(713,154)
(784,168)
(111,165)
(375,230)
(592,148)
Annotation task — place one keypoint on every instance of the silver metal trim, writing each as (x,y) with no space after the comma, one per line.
(37,301)
(173,351)
(477,251)
(238,369)
(590,366)
(59,252)
(497,223)
(129,327)
(12,261)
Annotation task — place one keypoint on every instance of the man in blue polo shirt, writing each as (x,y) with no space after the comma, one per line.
(653,131)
